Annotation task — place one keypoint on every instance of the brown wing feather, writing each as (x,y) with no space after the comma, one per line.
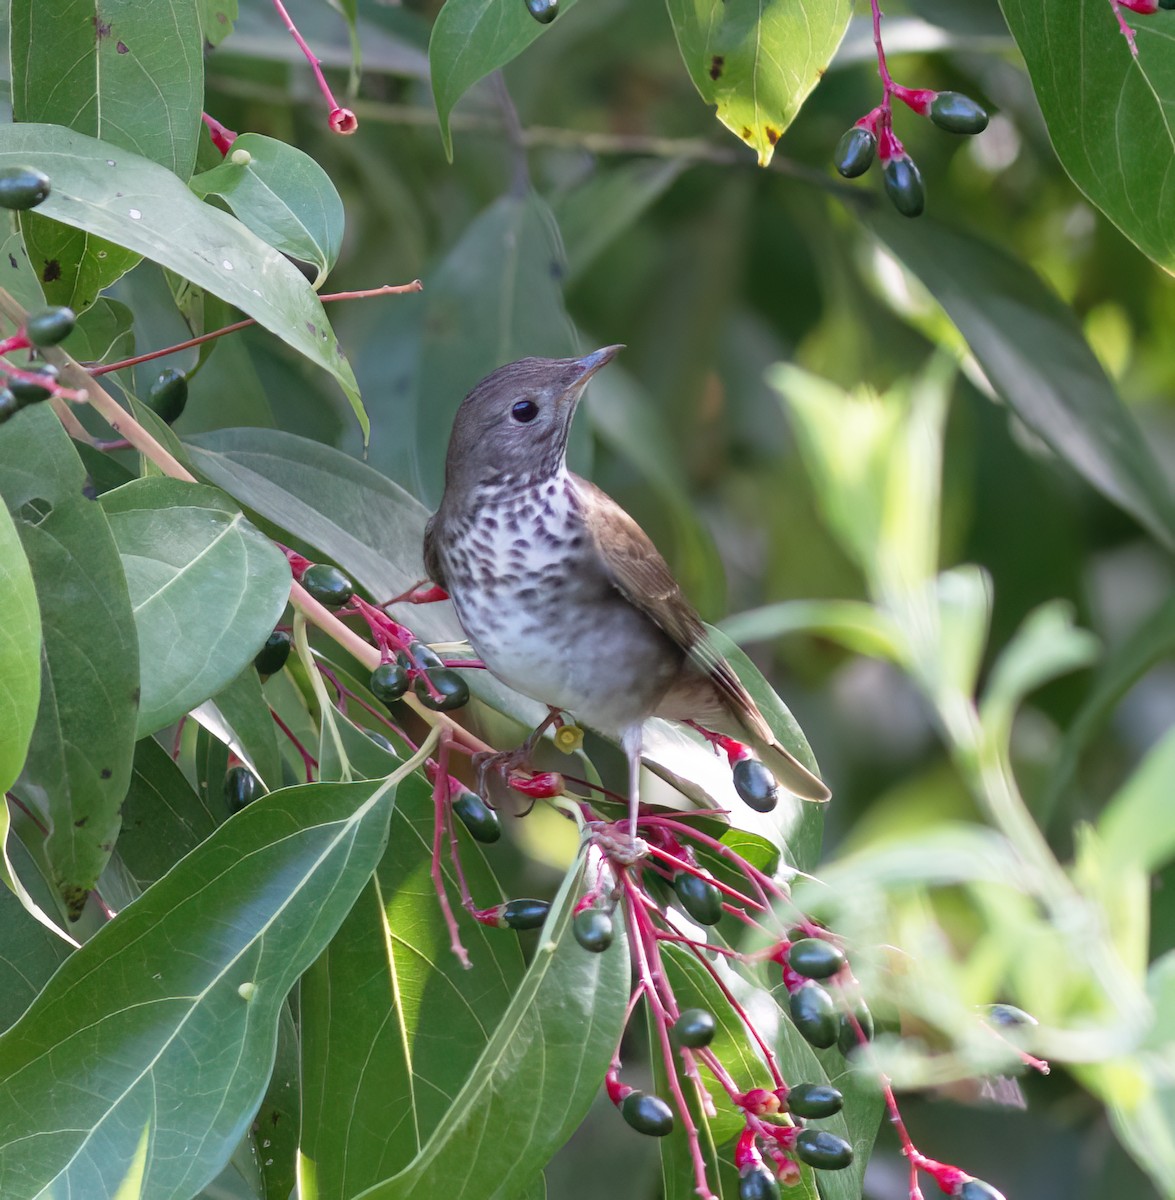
(644,578)
(432,560)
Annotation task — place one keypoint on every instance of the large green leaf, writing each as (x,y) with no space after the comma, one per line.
(20,652)
(471,38)
(392,1025)
(283,196)
(140,205)
(1109,114)
(206,586)
(536,1077)
(1031,349)
(757,61)
(163,1025)
(79,760)
(129,73)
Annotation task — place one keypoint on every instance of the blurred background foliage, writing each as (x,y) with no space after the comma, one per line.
(592,199)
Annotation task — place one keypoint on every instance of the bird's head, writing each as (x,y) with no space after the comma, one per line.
(513,427)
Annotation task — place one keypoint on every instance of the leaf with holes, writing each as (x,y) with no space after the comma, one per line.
(758,61)
(207,589)
(138,204)
(166,1019)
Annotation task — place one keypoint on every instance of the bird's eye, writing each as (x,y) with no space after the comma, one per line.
(524,411)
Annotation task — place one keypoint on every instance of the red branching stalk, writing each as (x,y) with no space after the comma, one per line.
(342,120)
(1144,8)
(309,762)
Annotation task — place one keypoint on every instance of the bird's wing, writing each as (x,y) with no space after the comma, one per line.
(638,571)
(432,559)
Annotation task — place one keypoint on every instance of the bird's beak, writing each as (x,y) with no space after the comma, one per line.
(591,363)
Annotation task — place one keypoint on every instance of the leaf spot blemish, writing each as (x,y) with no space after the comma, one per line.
(310,328)
(52,271)
(747,134)
(122,48)
(80,823)
(111,163)
(12,261)
(772,134)
(106,772)
(101,28)
(716,65)
(247,991)
(135,215)
(228,266)
(135,695)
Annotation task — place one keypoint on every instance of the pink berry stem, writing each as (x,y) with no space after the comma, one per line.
(309,762)
(440,800)
(342,120)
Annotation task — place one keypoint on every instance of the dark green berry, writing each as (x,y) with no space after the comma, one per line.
(477,816)
(389,681)
(814,1014)
(814,1100)
(593,929)
(50,326)
(33,393)
(847,1038)
(823,1150)
(168,395)
(814,958)
(957,113)
(525,914)
(327,584)
(903,185)
(419,655)
(757,1183)
(647,1114)
(9,405)
(241,787)
(543,11)
(22,187)
(700,898)
(976,1189)
(695,1028)
(274,654)
(452,690)
(855,152)
(755,785)
(1167,4)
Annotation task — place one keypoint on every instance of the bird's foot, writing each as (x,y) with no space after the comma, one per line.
(618,843)
(421,592)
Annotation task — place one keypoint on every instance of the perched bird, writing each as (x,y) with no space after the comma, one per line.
(561,593)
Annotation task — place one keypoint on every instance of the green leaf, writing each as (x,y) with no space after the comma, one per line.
(243,713)
(105,331)
(280,1115)
(216,19)
(1135,827)
(855,624)
(140,205)
(758,61)
(1031,349)
(17,276)
(1108,113)
(163,817)
(206,586)
(79,761)
(366,523)
(508,263)
(131,74)
(283,196)
(536,1077)
(167,1018)
(381,1066)
(20,652)
(471,38)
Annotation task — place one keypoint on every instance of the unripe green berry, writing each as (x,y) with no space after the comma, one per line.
(274,654)
(957,113)
(695,1028)
(389,681)
(543,11)
(477,816)
(700,898)
(823,1150)
(814,1100)
(22,187)
(592,929)
(855,152)
(755,785)
(757,1183)
(327,584)
(50,326)
(168,395)
(976,1189)
(903,185)
(453,691)
(814,1014)
(814,958)
(241,787)
(525,914)
(647,1114)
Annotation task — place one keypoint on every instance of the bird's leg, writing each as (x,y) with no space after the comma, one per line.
(630,739)
(505,761)
(423,591)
